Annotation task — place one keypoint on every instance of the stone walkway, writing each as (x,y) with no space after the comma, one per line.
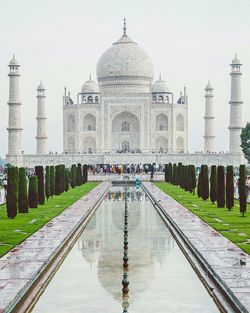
(19,267)
(221,254)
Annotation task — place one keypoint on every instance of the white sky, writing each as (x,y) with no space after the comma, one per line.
(60,42)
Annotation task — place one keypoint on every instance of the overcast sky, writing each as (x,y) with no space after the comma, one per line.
(60,42)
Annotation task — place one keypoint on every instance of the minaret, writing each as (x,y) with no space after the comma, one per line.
(41,139)
(235,126)
(209,119)
(14,127)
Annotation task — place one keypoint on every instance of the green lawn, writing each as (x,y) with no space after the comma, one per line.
(229,223)
(14,231)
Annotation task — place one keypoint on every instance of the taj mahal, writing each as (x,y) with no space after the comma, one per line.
(124,117)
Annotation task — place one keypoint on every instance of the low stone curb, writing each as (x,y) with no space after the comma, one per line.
(20,266)
(221,254)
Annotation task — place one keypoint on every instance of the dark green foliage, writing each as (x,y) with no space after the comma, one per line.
(199,186)
(79,175)
(174,174)
(52,180)
(170,172)
(59,179)
(40,176)
(66,180)
(47,182)
(85,173)
(242,189)
(245,141)
(22,192)
(192,178)
(12,192)
(33,192)
(220,187)
(166,173)
(204,182)
(230,187)
(213,183)
(178,174)
(73,176)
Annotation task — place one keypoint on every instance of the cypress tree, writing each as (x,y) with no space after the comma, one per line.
(242,190)
(73,179)
(33,192)
(166,173)
(52,180)
(62,174)
(58,180)
(204,182)
(220,187)
(230,187)
(79,174)
(199,185)
(85,173)
(213,183)
(66,180)
(170,173)
(174,174)
(22,192)
(192,179)
(47,182)
(40,177)
(12,192)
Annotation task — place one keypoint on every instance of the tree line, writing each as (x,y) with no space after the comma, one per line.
(45,183)
(218,186)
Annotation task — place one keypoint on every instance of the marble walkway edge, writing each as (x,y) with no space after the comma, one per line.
(21,265)
(220,253)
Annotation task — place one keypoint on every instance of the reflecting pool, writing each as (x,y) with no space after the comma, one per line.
(160,277)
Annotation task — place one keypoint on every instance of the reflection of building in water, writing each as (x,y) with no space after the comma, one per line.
(102,241)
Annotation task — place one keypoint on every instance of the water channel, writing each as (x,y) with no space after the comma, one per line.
(160,277)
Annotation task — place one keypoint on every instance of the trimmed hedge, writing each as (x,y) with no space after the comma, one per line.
(204,182)
(230,187)
(33,192)
(52,180)
(85,173)
(220,187)
(12,192)
(242,190)
(213,184)
(73,176)
(23,206)
(47,182)
(40,177)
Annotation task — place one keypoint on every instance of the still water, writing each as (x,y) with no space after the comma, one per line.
(160,278)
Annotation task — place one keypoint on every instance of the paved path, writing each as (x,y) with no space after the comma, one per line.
(219,252)
(20,266)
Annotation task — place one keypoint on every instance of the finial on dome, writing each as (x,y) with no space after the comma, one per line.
(124,27)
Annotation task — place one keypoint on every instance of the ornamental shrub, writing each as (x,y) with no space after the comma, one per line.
(199,186)
(230,187)
(73,176)
(12,192)
(220,187)
(166,173)
(174,174)
(22,192)
(79,174)
(40,177)
(242,190)
(204,182)
(85,173)
(47,182)
(66,180)
(59,179)
(33,192)
(192,174)
(170,172)
(52,180)
(213,183)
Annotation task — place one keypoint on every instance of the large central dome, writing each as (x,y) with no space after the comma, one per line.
(125,63)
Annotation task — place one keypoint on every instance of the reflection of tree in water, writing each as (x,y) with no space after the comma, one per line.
(102,242)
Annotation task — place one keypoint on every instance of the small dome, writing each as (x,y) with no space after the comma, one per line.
(41,86)
(90,87)
(235,60)
(159,86)
(13,61)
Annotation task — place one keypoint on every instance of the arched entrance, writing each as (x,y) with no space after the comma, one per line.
(125,132)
